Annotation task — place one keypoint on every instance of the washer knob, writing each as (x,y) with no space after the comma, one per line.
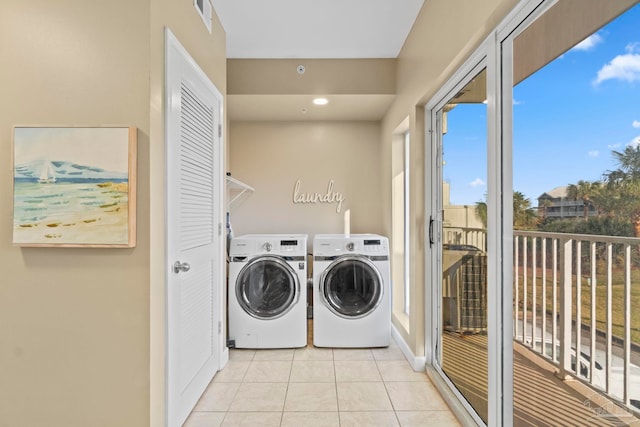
(268,246)
(351,246)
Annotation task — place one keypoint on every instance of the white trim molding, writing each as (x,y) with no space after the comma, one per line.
(417,362)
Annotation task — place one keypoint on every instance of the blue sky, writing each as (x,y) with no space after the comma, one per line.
(568,117)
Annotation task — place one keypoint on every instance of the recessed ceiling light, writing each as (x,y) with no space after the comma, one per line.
(320,101)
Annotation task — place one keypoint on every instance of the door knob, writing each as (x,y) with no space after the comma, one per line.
(181,266)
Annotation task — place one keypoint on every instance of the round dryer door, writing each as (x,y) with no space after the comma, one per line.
(267,287)
(351,287)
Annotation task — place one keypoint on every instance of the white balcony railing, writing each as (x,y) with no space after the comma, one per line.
(573,305)
(465,236)
(575,291)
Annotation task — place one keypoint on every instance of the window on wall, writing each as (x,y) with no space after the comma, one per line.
(407,197)
(400,222)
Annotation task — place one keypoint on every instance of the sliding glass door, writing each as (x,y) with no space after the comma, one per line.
(459,234)
(539,298)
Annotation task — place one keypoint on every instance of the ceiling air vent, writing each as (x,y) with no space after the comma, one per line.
(204,9)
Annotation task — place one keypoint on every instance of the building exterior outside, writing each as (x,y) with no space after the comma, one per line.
(555,204)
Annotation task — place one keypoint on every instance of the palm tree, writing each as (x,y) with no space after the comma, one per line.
(624,183)
(481,212)
(629,161)
(585,191)
(524,216)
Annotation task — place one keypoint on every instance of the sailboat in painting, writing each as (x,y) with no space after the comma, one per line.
(47,173)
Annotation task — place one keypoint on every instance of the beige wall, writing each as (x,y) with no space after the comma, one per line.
(272,156)
(461,216)
(322,76)
(74,323)
(81,330)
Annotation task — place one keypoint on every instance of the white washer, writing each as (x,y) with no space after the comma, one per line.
(351,291)
(268,291)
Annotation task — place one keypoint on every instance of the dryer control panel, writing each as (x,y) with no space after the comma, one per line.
(260,244)
(368,246)
(365,244)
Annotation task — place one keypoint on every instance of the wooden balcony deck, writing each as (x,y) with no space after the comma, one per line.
(540,398)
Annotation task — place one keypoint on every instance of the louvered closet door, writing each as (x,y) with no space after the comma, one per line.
(194,242)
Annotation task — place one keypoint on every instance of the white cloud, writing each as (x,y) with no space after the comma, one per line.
(623,67)
(589,43)
(516,102)
(477,183)
(634,142)
(614,146)
(636,124)
(633,47)
(594,153)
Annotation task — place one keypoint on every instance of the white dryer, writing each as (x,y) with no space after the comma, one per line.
(268,291)
(351,291)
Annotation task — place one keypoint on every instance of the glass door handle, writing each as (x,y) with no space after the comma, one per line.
(430,231)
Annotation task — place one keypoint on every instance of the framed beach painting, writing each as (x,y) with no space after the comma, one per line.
(74,187)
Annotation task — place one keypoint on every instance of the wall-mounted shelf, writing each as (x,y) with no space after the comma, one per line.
(236,191)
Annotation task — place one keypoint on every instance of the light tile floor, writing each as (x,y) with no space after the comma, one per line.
(320,387)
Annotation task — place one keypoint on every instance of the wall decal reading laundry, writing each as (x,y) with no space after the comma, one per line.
(329,196)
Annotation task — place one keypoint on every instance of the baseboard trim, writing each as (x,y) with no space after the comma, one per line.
(417,362)
(224,358)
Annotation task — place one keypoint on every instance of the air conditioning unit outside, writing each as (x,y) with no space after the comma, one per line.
(464,289)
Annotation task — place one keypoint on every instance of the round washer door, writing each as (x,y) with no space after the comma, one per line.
(267,287)
(351,287)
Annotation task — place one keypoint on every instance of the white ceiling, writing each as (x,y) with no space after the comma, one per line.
(316,28)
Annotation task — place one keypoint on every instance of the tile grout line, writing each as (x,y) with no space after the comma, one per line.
(384,383)
(286,393)
(335,379)
(226,413)
(335,382)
